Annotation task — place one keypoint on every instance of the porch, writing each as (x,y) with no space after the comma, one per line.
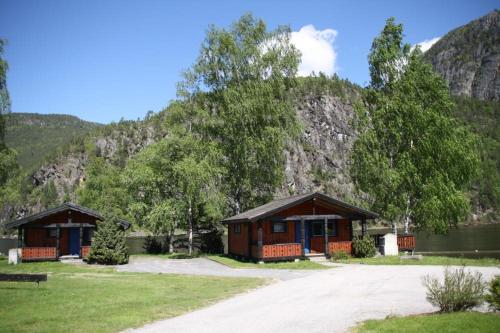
(315,235)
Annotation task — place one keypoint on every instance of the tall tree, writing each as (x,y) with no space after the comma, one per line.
(243,77)
(173,185)
(103,190)
(8,163)
(412,157)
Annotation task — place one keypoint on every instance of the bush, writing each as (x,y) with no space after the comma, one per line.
(108,246)
(339,255)
(364,247)
(493,298)
(459,291)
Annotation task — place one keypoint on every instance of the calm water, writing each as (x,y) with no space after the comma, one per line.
(471,241)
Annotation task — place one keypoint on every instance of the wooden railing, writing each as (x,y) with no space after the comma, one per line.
(287,250)
(406,242)
(38,253)
(84,251)
(345,246)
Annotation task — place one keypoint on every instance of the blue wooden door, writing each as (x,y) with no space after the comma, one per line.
(74,241)
(307,247)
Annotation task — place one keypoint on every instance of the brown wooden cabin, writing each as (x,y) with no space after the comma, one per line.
(295,227)
(66,230)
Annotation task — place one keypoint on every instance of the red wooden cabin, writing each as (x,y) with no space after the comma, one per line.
(60,231)
(295,227)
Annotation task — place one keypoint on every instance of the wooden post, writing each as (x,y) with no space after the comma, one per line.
(19,238)
(58,235)
(303,237)
(80,246)
(350,229)
(364,229)
(260,242)
(326,236)
(250,240)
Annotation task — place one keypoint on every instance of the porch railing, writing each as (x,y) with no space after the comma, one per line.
(38,253)
(345,246)
(287,250)
(84,251)
(406,242)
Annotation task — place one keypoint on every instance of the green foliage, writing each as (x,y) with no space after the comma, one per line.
(493,296)
(34,136)
(246,74)
(4,93)
(460,290)
(412,157)
(483,117)
(339,255)
(48,196)
(363,247)
(103,190)
(108,245)
(173,183)
(152,245)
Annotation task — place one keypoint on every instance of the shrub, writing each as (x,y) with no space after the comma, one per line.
(364,247)
(460,290)
(493,297)
(108,246)
(339,255)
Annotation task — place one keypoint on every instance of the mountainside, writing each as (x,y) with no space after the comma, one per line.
(34,136)
(469,58)
(319,161)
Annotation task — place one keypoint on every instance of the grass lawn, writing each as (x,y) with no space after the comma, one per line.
(470,322)
(233,263)
(89,299)
(426,260)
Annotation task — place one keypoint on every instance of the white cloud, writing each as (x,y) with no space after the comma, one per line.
(316,46)
(427,44)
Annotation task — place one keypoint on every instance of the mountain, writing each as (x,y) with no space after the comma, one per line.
(469,58)
(35,136)
(320,160)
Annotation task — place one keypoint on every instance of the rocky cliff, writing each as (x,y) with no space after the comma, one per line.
(469,58)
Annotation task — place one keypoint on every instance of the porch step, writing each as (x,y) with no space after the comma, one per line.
(70,259)
(317,257)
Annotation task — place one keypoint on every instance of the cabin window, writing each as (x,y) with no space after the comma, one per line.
(51,233)
(332,228)
(88,233)
(279,227)
(237,228)
(317,228)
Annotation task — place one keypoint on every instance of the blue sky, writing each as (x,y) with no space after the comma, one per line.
(104,60)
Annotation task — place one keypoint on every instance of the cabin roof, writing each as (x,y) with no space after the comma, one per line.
(62,208)
(279,205)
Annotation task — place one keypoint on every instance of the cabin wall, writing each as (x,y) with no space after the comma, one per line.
(238,242)
(35,235)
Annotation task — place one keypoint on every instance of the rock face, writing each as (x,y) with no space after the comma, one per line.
(469,58)
(320,162)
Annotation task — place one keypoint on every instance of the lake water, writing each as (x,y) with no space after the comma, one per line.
(468,241)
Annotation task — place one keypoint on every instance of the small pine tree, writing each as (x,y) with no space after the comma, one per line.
(108,245)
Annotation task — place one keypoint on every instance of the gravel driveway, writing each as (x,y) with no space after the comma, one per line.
(326,301)
(203,266)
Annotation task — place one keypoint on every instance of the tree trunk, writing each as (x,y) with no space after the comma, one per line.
(190,229)
(394,228)
(407,216)
(171,241)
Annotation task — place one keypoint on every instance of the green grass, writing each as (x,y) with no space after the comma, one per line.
(233,263)
(470,322)
(90,299)
(426,260)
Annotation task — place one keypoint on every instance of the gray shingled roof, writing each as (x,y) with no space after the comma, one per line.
(64,207)
(276,206)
